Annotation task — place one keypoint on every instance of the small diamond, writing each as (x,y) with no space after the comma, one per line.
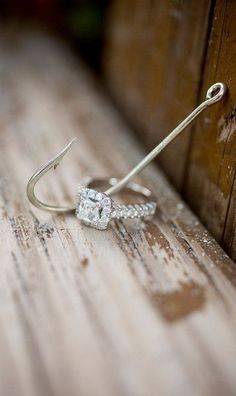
(106,201)
(91,193)
(106,211)
(131,211)
(114,214)
(99,196)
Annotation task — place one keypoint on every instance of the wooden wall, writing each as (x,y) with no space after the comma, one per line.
(160,58)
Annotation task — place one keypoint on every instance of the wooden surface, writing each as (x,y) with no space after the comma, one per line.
(160,58)
(144,309)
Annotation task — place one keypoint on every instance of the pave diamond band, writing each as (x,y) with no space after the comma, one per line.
(97,209)
(133,211)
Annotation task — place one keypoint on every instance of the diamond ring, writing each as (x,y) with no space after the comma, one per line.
(97,209)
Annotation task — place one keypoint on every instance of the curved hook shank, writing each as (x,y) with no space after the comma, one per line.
(214,94)
(53,163)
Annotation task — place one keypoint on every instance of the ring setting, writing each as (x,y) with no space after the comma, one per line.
(94,208)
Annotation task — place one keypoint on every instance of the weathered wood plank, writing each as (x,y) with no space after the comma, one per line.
(212,159)
(145,308)
(173,56)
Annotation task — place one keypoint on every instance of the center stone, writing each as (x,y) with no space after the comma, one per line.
(94,208)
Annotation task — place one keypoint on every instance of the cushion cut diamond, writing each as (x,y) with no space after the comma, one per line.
(94,208)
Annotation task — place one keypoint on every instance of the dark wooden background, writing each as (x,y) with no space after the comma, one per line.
(160,58)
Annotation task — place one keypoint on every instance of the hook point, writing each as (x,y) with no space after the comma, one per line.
(73,140)
(57,159)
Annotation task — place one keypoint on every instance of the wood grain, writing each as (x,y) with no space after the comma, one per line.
(159,62)
(145,308)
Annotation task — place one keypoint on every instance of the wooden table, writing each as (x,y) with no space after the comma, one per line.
(144,309)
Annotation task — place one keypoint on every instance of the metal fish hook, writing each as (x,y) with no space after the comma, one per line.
(53,163)
(214,94)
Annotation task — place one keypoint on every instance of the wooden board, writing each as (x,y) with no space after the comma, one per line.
(146,308)
(160,58)
(211,166)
